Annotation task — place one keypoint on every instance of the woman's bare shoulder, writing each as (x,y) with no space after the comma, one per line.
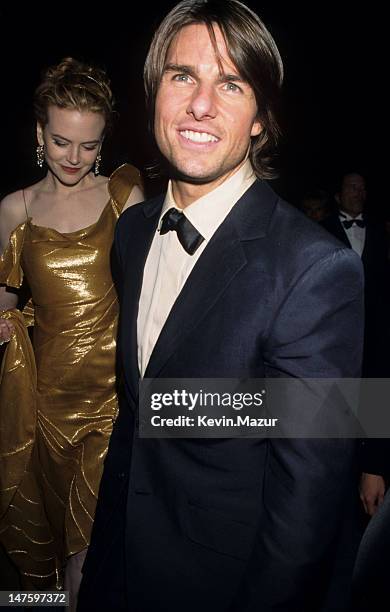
(12,207)
(12,214)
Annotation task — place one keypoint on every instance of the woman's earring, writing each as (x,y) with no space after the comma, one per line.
(97,164)
(40,155)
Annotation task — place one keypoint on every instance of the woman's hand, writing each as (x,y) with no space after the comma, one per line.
(6,330)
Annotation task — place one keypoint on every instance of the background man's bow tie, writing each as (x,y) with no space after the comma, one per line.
(347,223)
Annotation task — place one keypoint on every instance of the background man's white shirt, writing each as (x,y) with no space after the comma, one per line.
(356,235)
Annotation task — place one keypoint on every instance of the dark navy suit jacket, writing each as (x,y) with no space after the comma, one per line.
(376,294)
(374,452)
(234,524)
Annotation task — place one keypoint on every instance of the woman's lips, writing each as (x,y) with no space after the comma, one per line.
(70,170)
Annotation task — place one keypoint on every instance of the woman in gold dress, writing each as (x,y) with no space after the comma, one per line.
(58,399)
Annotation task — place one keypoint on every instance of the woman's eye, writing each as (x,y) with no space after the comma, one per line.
(90,147)
(59,143)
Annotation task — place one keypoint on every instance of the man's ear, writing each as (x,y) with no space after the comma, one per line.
(257,128)
(337,198)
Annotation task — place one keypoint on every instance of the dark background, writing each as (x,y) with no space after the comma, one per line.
(332,120)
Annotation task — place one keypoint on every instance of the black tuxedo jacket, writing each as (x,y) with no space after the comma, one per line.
(234,524)
(374,453)
(376,294)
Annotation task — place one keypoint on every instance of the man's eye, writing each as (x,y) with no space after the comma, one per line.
(183,78)
(232,87)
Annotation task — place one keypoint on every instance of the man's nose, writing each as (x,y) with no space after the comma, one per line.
(203,103)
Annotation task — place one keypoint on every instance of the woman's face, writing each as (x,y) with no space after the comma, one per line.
(72,141)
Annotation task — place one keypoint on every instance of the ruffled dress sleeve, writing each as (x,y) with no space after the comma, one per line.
(18,380)
(121,183)
(11,273)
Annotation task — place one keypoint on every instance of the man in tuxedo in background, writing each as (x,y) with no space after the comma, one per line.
(219,278)
(352,224)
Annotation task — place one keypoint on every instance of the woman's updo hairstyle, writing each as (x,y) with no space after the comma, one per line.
(74,85)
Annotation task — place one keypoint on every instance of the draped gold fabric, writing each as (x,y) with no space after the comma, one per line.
(18,388)
(58,403)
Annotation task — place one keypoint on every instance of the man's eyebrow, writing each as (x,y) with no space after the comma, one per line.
(182,68)
(185,69)
(231,78)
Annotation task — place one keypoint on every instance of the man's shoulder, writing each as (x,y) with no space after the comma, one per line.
(290,227)
(292,243)
(304,229)
(138,214)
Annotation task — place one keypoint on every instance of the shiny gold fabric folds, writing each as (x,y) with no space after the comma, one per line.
(18,384)
(58,401)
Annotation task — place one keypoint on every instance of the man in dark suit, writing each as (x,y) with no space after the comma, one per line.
(213,285)
(352,224)
(360,232)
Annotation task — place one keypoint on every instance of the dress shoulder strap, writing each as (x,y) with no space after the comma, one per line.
(25,204)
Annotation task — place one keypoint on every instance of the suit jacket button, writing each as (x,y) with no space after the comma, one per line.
(141,491)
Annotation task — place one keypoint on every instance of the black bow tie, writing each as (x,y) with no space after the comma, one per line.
(347,223)
(188,235)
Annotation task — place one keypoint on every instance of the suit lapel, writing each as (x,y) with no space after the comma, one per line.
(215,269)
(136,253)
(369,244)
(341,233)
(220,262)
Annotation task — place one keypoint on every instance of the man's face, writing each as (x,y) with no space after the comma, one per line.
(352,195)
(205,113)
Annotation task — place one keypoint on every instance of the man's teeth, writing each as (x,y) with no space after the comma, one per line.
(198,136)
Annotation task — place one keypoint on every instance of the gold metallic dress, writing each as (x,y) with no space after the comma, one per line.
(58,400)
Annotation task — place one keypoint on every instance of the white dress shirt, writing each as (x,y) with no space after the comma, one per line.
(168,265)
(356,235)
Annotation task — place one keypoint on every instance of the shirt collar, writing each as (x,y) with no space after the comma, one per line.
(346,216)
(207,213)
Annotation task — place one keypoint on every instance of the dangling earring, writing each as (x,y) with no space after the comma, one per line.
(40,155)
(97,164)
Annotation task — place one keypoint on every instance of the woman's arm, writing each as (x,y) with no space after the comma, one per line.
(11,215)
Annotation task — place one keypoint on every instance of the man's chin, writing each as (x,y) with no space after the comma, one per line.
(194,177)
